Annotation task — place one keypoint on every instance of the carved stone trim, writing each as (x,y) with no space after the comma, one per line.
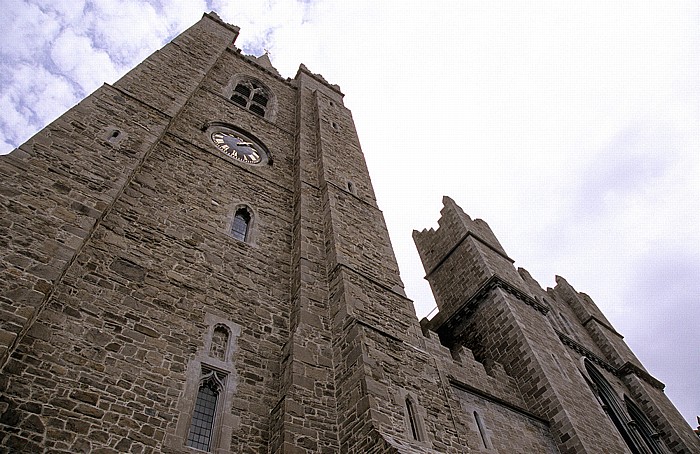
(444,325)
(583,351)
(624,370)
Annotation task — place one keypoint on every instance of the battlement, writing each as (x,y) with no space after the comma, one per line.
(454,225)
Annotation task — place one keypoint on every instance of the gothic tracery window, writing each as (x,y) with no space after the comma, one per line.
(616,411)
(645,428)
(252,96)
(201,431)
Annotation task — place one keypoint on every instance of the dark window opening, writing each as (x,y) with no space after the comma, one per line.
(415,433)
(482,431)
(260,99)
(644,427)
(242,89)
(613,407)
(239,100)
(252,96)
(241,221)
(257,109)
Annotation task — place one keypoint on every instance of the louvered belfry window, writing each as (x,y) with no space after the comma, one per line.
(252,96)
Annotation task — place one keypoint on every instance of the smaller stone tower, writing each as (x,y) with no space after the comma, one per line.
(556,344)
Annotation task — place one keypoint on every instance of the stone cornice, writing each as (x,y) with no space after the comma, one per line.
(444,325)
(603,324)
(583,351)
(497,400)
(462,240)
(624,370)
(629,368)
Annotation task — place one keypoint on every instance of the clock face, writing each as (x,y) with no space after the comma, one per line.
(238,146)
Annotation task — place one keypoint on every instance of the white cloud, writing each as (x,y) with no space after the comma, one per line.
(71,12)
(75,56)
(26,31)
(31,99)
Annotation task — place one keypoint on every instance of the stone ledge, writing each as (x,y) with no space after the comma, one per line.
(490,397)
(445,325)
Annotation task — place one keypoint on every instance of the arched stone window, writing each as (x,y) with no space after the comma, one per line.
(414,418)
(251,95)
(205,405)
(644,427)
(201,431)
(613,407)
(241,224)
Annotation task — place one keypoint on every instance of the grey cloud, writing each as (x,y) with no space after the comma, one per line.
(626,167)
(663,321)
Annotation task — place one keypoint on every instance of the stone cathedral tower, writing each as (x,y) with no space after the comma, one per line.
(193,260)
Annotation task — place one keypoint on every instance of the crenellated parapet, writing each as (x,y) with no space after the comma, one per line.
(454,225)
(461,256)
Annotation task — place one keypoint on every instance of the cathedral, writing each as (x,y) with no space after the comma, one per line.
(193,260)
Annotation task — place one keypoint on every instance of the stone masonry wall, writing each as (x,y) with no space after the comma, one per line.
(104,366)
(162,250)
(55,189)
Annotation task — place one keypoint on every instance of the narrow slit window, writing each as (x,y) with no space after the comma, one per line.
(558,364)
(241,223)
(566,324)
(415,432)
(482,430)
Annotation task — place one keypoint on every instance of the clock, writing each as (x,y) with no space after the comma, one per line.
(238,146)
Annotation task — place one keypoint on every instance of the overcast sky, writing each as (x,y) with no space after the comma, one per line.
(572,129)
